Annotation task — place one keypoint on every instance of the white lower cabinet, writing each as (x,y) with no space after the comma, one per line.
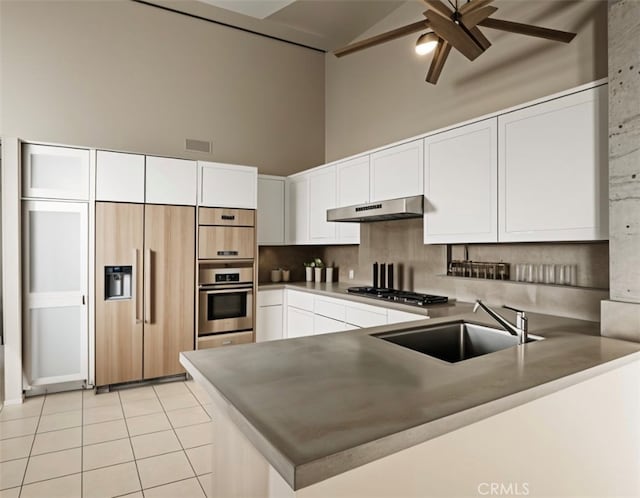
(269,325)
(299,322)
(270,320)
(363,315)
(325,325)
(309,313)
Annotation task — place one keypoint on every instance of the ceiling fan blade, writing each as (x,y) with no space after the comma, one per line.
(382,38)
(480,39)
(528,29)
(454,35)
(473,18)
(437,63)
(439,7)
(472,5)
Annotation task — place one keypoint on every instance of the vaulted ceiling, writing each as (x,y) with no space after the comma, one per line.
(321,24)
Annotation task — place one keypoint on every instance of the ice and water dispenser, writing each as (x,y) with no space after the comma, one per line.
(117,282)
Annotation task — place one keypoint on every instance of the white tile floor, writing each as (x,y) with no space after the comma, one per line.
(152,441)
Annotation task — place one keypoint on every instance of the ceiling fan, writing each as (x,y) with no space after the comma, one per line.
(456,27)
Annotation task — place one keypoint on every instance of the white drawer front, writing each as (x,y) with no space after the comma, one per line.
(363,317)
(302,300)
(270,297)
(331,308)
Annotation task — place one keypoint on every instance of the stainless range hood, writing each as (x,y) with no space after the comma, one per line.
(393,209)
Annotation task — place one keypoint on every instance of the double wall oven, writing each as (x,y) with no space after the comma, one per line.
(226,270)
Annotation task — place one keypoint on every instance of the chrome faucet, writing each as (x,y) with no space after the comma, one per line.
(519,329)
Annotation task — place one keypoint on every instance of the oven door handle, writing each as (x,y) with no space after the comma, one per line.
(227,290)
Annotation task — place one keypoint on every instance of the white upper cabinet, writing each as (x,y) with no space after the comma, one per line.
(353,188)
(228,185)
(297,209)
(171,181)
(55,172)
(553,170)
(322,196)
(460,185)
(397,171)
(271,191)
(119,177)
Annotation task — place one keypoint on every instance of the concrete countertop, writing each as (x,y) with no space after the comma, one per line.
(318,406)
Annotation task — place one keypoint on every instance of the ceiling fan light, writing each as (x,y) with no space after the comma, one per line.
(426,43)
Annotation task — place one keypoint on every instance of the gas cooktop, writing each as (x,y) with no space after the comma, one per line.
(398,296)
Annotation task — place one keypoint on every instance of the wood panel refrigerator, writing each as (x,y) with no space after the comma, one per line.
(145,258)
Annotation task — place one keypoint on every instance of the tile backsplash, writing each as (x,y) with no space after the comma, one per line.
(421,268)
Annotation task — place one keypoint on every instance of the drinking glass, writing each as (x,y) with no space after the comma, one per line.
(549,274)
(531,274)
(540,273)
(559,274)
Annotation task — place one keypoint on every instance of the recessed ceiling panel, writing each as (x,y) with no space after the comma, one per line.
(254,8)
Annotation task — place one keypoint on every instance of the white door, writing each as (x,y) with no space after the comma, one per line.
(553,170)
(397,171)
(322,196)
(50,172)
(460,185)
(353,188)
(55,291)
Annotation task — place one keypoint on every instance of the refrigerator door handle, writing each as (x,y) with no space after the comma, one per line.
(147,287)
(136,288)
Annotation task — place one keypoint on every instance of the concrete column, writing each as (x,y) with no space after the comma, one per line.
(11,275)
(621,314)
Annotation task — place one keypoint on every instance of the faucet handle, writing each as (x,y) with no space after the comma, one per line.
(519,312)
(522,322)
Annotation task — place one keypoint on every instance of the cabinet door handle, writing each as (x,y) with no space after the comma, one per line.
(226,343)
(227,253)
(148,293)
(136,288)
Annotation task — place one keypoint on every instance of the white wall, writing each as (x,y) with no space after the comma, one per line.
(379,95)
(123,75)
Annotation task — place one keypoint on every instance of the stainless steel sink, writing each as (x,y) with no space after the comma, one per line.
(454,341)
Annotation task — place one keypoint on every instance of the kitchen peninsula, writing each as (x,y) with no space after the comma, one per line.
(348,414)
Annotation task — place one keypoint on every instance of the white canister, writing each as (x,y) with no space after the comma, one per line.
(276,275)
(308,273)
(329,274)
(318,272)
